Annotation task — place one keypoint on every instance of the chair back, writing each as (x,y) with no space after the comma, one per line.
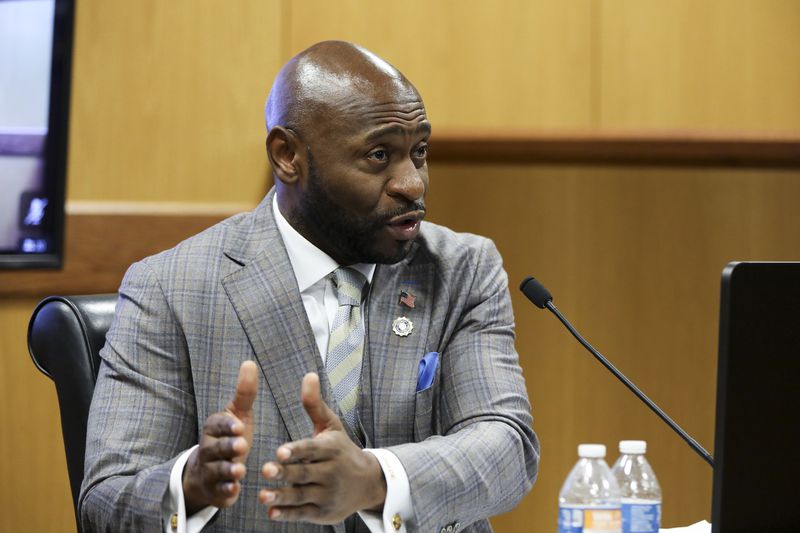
(65,335)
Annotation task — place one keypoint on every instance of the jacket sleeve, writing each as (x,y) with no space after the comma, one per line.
(143,412)
(487,457)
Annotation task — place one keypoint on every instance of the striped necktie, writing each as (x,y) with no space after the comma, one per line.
(346,342)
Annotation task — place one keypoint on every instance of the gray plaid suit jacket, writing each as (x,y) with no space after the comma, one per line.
(188,317)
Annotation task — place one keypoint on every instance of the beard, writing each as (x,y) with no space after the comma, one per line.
(345,236)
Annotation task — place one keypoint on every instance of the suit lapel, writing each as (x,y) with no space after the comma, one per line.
(266,300)
(265,297)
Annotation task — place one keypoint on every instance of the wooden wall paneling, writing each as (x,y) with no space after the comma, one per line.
(35,492)
(167,99)
(716,64)
(511,64)
(101,244)
(597,147)
(633,256)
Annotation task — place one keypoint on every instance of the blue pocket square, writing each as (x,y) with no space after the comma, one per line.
(427,370)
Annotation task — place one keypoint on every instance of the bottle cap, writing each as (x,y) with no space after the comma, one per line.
(592,451)
(632,446)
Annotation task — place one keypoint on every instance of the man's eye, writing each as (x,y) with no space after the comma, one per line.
(421,151)
(378,155)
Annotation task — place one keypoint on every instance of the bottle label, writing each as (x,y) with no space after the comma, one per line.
(578,519)
(641,517)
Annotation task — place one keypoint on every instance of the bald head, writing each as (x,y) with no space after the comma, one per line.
(331,76)
(348,144)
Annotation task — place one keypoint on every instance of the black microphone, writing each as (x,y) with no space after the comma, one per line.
(541,298)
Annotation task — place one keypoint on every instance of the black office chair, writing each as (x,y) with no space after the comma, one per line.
(65,335)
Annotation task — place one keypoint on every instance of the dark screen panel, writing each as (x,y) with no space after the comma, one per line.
(757,468)
(33,143)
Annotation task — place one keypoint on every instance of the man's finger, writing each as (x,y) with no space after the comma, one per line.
(246,388)
(308,450)
(218,472)
(302,513)
(212,448)
(321,415)
(295,473)
(223,425)
(292,496)
(228,489)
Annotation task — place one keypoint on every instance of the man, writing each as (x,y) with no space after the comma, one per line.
(384,395)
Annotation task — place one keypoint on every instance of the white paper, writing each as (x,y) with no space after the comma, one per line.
(700,527)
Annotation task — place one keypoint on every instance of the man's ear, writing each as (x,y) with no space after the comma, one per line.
(285,154)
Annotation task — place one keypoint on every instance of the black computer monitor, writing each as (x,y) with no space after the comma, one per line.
(757,465)
(35,59)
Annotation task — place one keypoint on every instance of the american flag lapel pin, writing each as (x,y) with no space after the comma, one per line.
(407,299)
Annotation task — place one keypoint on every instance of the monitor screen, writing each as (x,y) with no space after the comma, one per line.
(756,471)
(35,56)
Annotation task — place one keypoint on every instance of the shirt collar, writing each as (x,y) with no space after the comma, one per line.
(309,263)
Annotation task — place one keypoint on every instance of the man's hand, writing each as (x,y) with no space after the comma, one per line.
(214,470)
(327,477)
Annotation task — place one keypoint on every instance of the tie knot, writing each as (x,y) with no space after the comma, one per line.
(349,285)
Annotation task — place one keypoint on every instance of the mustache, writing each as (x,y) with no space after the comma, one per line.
(411,207)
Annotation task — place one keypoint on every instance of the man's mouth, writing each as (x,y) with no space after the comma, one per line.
(406,226)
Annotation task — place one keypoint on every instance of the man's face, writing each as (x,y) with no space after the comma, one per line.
(363,196)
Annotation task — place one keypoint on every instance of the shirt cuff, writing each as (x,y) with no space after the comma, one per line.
(397,509)
(173,508)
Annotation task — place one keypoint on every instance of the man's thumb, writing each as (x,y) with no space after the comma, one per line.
(246,388)
(321,415)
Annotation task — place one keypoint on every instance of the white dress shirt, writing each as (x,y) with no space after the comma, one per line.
(311,268)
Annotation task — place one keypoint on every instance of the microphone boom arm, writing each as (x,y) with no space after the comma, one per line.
(633,388)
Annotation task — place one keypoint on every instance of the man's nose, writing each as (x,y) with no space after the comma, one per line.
(408,181)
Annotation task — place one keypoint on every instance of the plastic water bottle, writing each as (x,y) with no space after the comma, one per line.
(589,501)
(639,488)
